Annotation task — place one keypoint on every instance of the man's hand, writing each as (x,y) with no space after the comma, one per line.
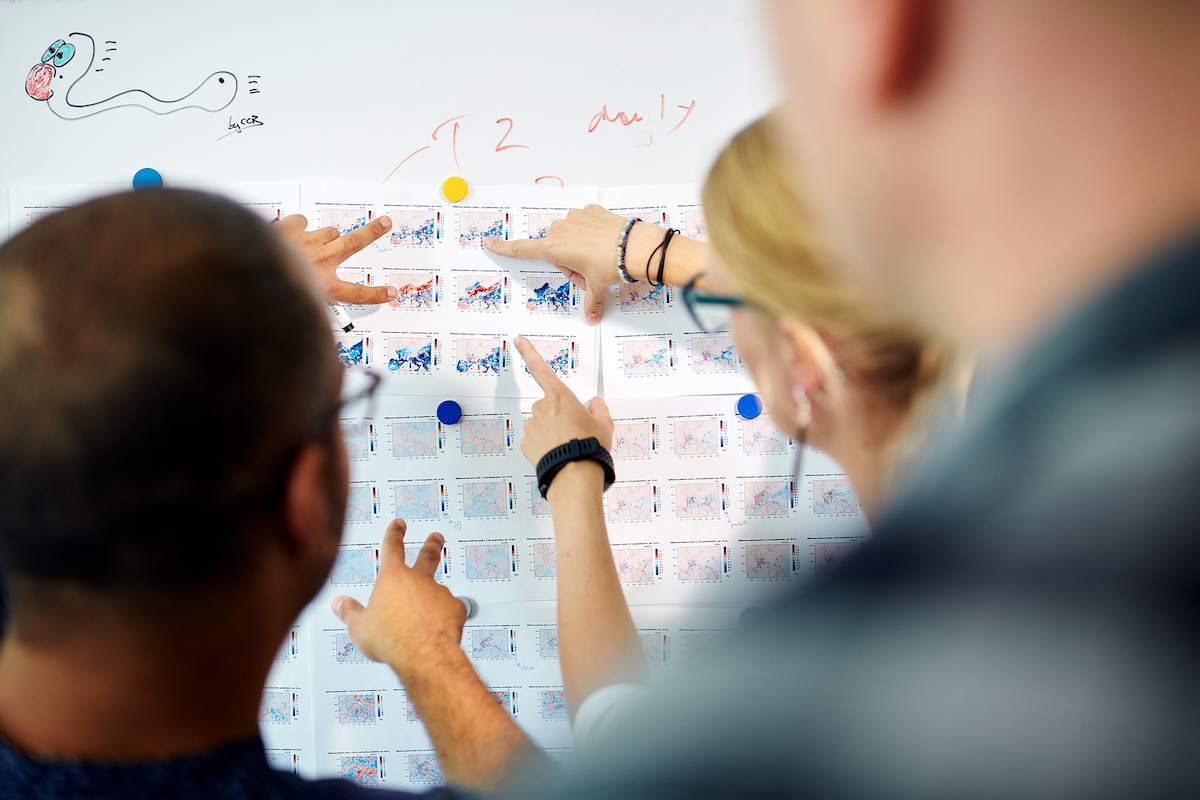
(326,249)
(584,247)
(559,417)
(410,619)
(415,626)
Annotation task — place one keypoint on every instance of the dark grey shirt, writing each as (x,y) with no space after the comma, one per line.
(1025,623)
(238,771)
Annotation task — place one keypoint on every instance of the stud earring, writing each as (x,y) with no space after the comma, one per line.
(803,408)
(803,418)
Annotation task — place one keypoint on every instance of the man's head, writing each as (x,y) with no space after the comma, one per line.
(990,164)
(165,372)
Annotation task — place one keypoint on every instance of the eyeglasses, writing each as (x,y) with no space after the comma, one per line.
(356,406)
(354,410)
(710,312)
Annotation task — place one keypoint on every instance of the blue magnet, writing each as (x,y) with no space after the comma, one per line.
(449,412)
(146,178)
(749,406)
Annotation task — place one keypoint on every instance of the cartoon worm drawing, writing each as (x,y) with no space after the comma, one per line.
(67,62)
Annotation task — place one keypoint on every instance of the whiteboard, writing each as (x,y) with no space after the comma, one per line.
(582,94)
(373,97)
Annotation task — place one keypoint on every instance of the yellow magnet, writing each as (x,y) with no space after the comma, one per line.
(454,189)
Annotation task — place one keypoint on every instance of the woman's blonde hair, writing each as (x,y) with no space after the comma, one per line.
(764,236)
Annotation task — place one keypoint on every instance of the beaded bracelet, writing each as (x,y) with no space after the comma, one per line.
(621,243)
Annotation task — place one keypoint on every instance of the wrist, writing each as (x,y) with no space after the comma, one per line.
(428,663)
(575,482)
(643,238)
(685,259)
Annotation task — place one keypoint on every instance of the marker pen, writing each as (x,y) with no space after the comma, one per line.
(340,317)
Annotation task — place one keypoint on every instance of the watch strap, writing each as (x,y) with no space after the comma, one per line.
(588,449)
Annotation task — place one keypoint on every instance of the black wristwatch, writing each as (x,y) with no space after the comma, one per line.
(574,450)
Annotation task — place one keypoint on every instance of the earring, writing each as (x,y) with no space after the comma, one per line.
(803,408)
(803,418)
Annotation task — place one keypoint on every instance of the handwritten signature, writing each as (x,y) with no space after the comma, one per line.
(237,126)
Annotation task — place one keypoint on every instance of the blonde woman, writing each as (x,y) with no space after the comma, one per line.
(830,362)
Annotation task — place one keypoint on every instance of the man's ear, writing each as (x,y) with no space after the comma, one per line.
(898,46)
(308,512)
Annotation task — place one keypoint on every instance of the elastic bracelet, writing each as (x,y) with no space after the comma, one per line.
(662,260)
(621,243)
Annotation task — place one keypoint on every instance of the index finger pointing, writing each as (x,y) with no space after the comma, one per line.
(350,243)
(293,223)
(515,248)
(538,368)
(356,293)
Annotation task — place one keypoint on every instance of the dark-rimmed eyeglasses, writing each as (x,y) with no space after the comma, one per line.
(710,312)
(356,405)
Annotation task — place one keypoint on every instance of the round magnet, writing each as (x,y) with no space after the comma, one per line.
(449,412)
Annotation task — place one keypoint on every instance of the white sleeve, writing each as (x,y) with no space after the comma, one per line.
(601,715)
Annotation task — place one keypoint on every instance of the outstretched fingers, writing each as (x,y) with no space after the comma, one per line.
(325,235)
(430,555)
(392,547)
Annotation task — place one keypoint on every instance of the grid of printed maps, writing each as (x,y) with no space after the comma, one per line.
(706,518)
(457,308)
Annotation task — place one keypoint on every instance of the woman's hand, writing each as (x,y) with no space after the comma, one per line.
(326,249)
(559,417)
(584,247)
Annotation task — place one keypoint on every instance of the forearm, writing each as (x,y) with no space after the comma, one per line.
(598,644)
(477,742)
(685,257)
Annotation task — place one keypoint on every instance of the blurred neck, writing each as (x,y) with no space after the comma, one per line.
(89,678)
(862,433)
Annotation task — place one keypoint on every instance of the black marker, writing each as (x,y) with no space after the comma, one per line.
(340,317)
